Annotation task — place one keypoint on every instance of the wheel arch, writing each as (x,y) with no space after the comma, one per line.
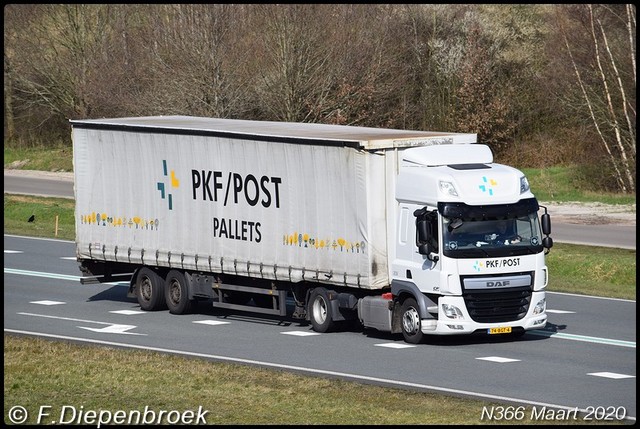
(403,289)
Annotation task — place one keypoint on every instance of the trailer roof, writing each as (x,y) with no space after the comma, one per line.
(290,132)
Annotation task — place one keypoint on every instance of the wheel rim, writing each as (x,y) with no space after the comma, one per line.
(411,321)
(320,310)
(175,292)
(146,288)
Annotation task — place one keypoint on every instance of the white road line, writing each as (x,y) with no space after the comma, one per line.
(577,295)
(211,322)
(114,329)
(128,312)
(498,359)
(395,345)
(111,328)
(613,375)
(584,338)
(41,274)
(55,276)
(300,333)
(71,319)
(47,302)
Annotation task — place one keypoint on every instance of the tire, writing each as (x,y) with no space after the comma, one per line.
(177,293)
(319,311)
(150,290)
(411,325)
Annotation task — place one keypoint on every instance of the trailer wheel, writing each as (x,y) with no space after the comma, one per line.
(320,310)
(177,293)
(411,326)
(150,290)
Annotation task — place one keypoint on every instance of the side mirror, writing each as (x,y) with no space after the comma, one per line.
(547,242)
(546,224)
(422,232)
(423,249)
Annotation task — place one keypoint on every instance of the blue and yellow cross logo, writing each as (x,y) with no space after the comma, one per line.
(174,184)
(488,185)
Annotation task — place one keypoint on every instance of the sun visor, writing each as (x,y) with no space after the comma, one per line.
(432,156)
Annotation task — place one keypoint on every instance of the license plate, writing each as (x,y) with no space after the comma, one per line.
(502,330)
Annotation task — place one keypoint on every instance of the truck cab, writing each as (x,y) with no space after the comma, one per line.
(470,249)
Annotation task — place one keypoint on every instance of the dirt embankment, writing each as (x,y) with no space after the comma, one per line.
(591,213)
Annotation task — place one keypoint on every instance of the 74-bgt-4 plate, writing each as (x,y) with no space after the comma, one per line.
(500,330)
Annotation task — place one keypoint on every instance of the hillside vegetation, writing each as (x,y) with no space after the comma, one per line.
(544,85)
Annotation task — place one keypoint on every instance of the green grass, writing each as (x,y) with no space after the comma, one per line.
(42,158)
(591,270)
(18,209)
(40,372)
(562,184)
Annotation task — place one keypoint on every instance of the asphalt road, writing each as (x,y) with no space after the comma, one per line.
(606,235)
(584,358)
(47,185)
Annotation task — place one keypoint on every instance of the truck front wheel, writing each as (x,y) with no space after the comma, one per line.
(150,290)
(177,293)
(320,310)
(411,326)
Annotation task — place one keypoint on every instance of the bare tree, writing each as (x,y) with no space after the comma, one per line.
(606,95)
(483,107)
(322,63)
(507,72)
(290,61)
(192,52)
(65,46)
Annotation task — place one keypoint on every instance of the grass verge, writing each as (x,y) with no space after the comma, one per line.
(47,212)
(560,184)
(43,158)
(58,374)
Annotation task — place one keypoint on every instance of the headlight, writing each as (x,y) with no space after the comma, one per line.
(451,311)
(524,185)
(448,188)
(540,307)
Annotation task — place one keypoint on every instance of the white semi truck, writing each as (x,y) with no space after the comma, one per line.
(408,232)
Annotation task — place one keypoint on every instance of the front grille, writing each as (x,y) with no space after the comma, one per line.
(497,306)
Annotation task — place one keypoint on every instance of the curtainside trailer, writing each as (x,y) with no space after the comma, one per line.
(408,232)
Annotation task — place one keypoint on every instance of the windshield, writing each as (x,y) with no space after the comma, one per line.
(515,232)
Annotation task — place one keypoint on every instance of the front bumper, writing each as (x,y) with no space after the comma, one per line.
(463,324)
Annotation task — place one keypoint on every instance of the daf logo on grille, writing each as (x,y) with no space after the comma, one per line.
(486,283)
(498,284)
